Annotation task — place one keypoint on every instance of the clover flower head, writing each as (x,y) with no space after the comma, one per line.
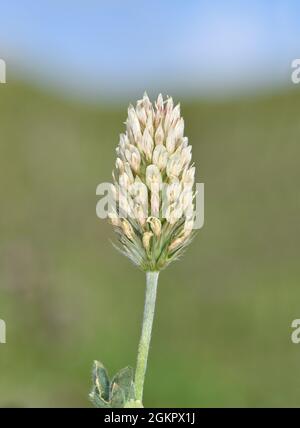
(153,189)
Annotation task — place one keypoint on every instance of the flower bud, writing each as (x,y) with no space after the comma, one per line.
(133,123)
(169,110)
(160,157)
(146,240)
(174,166)
(124,142)
(186,200)
(139,192)
(147,144)
(141,112)
(173,191)
(179,129)
(124,181)
(140,214)
(171,141)
(135,161)
(149,126)
(119,165)
(155,225)
(153,177)
(127,229)
(186,155)
(160,103)
(173,213)
(159,135)
(188,178)
(155,202)
(175,115)
(128,172)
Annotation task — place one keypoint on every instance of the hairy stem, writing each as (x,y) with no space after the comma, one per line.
(141,366)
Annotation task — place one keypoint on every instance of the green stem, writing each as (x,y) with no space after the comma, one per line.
(141,366)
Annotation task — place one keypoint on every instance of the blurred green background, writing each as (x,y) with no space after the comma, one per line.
(222,332)
(222,329)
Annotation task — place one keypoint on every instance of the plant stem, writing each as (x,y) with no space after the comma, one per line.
(141,366)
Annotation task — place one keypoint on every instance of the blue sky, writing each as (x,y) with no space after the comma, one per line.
(116,48)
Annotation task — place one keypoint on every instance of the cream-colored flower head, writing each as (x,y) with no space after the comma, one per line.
(153,185)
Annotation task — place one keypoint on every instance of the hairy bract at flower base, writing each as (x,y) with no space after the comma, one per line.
(153,213)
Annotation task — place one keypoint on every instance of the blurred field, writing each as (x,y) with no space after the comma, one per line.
(222,331)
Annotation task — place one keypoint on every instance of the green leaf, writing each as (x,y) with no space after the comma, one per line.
(101,380)
(124,379)
(118,393)
(98,401)
(117,396)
